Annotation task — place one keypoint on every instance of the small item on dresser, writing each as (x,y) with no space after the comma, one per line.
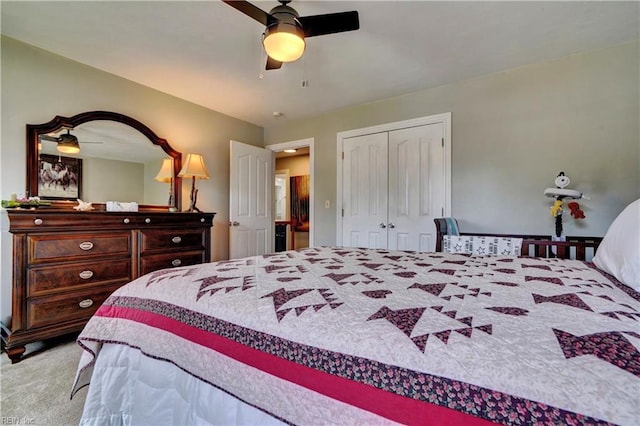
(117,206)
(83,206)
(23,202)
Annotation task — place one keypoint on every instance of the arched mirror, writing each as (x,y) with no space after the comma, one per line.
(102,156)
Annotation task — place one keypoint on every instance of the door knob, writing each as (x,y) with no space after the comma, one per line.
(391,225)
(382,225)
(234,223)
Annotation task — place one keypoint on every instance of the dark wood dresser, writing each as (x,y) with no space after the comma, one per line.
(66,263)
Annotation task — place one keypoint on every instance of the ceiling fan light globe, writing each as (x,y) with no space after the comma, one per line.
(284,42)
(68,148)
(68,144)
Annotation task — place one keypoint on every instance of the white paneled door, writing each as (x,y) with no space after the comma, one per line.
(393,186)
(364,191)
(416,186)
(250,201)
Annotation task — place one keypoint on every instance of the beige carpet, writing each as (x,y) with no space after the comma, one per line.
(36,391)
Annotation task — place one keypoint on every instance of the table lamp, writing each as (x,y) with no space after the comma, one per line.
(166,175)
(195,169)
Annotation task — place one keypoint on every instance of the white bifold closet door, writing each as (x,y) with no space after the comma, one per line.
(393,188)
(365,185)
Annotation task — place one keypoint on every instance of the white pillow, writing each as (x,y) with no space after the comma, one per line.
(619,252)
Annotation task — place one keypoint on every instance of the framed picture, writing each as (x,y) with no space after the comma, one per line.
(59,178)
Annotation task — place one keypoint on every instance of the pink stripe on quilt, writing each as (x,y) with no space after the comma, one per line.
(394,407)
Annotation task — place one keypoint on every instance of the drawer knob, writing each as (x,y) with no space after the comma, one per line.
(176,240)
(176,262)
(85,275)
(38,221)
(86,245)
(126,220)
(202,219)
(147,220)
(85,303)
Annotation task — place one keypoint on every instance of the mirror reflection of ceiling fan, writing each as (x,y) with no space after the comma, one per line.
(283,37)
(66,142)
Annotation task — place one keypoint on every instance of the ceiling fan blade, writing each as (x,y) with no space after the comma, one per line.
(330,23)
(251,11)
(272,64)
(48,138)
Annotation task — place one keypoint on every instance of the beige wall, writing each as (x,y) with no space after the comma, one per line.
(512,132)
(297,165)
(37,85)
(111,180)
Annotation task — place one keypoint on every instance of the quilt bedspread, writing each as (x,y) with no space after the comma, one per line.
(346,335)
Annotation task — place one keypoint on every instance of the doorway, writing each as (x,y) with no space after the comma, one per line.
(296,204)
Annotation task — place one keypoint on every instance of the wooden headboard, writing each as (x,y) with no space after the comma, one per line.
(581,248)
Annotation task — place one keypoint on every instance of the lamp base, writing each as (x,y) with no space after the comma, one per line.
(193,198)
(171,204)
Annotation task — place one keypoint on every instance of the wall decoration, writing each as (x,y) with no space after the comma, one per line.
(299,186)
(59,177)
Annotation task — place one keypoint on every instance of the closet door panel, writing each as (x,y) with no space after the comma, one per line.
(365,189)
(416,186)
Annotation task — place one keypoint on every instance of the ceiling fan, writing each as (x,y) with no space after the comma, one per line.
(285,30)
(66,142)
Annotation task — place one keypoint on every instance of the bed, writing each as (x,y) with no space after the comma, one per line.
(335,335)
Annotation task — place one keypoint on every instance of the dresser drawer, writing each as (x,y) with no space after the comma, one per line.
(65,307)
(50,247)
(170,239)
(170,260)
(43,280)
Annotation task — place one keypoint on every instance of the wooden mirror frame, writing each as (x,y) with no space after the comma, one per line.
(58,122)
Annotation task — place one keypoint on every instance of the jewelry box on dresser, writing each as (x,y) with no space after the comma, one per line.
(66,263)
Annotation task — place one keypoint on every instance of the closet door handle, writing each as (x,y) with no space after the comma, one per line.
(382,225)
(391,225)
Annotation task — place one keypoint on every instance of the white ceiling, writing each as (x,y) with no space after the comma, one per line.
(210,54)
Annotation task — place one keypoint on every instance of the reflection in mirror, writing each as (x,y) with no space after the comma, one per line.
(117,160)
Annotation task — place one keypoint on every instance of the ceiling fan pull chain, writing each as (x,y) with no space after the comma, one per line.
(305,82)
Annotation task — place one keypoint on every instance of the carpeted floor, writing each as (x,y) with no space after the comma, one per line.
(36,391)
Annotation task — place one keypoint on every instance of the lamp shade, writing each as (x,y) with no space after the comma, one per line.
(284,42)
(194,167)
(166,171)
